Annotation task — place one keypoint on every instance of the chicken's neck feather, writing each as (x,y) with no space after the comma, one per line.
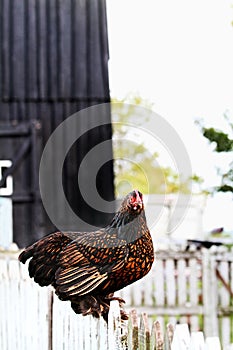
(128,226)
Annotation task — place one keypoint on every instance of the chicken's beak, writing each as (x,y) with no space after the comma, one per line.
(137,205)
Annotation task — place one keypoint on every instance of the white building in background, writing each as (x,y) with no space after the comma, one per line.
(174,216)
(193,218)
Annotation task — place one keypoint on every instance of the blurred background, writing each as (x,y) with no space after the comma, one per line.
(171,59)
(176,59)
(168,59)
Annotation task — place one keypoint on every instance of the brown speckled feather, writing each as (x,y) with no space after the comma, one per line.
(87,268)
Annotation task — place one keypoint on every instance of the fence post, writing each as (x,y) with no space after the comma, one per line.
(157,336)
(209,294)
(133,330)
(181,338)
(144,334)
(114,327)
(50,319)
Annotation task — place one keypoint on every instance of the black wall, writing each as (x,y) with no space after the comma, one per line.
(53,63)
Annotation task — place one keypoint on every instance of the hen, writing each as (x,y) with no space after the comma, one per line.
(87,268)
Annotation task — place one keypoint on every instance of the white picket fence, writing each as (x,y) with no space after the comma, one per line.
(193,288)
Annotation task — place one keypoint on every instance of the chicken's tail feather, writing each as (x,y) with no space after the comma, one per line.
(26,254)
(43,255)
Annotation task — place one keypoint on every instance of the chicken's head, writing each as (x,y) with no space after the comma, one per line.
(135,202)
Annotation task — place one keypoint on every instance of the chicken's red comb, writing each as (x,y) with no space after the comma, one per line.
(138,199)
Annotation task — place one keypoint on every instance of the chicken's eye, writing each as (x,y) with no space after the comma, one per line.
(132,199)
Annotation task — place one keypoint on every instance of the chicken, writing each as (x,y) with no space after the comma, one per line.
(87,268)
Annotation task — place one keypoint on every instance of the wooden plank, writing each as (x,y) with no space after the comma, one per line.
(170,282)
(158,336)
(209,294)
(6,221)
(79,49)
(24,298)
(162,320)
(169,336)
(197,341)
(114,326)
(182,285)
(42,47)
(95,77)
(29,308)
(181,282)
(5,46)
(170,286)
(148,283)
(133,330)
(52,56)
(64,47)
(31,51)
(77,326)
(193,291)
(43,318)
(231,275)
(144,333)
(224,298)
(17,58)
(177,255)
(159,283)
(181,338)
(103,335)
(95,333)
(57,325)
(212,343)
(4,288)
(12,317)
(137,293)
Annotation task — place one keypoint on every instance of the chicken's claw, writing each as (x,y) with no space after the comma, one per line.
(110,297)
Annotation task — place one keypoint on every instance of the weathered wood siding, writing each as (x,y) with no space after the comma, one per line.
(53,63)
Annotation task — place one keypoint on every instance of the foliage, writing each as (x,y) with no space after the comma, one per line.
(135,164)
(222,140)
(223,143)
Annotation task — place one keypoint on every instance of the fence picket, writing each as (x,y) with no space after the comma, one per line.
(182,285)
(169,336)
(181,338)
(193,291)
(224,299)
(149,285)
(114,327)
(138,293)
(170,282)
(170,286)
(209,294)
(159,283)
(144,333)
(213,343)
(197,341)
(4,288)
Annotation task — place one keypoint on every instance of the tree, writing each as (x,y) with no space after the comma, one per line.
(223,143)
(136,166)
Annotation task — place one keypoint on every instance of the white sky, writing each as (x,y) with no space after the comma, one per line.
(178,54)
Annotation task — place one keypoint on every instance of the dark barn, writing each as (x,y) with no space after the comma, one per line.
(53,63)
